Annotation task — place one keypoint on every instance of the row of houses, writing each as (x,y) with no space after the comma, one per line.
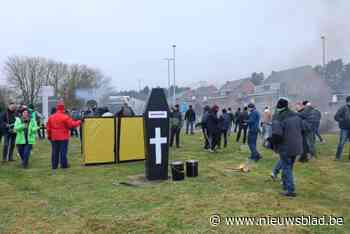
(297,84)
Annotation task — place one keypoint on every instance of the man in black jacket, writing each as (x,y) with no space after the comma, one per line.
(310,116)
(287,128)
(243,125)
(7,121)
(213,128)
(343,118)
(190,118)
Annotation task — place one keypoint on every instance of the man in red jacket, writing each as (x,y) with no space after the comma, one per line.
(58,131)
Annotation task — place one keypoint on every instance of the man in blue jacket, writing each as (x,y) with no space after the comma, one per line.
(253,129)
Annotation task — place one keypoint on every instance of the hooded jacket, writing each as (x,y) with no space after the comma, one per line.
(310,115)
(32,129)
(176,119)
(213,122)
(287,130)
(59,125)
(343,117)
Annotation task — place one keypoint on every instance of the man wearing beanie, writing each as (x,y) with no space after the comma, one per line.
(343,118)
(253,129)
(287,141)
(58,132)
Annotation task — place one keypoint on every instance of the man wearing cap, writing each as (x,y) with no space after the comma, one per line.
(253,129)
(58,132)
(343,118)
(287,128)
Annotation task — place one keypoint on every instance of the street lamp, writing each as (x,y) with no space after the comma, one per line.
(174,93)
(168,60)
(323,38)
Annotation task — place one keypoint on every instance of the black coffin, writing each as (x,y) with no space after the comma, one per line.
(157,132)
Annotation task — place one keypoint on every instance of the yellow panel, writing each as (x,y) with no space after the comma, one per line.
(131,143)
(98,140)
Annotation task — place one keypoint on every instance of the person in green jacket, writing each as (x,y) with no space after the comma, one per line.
(26,129)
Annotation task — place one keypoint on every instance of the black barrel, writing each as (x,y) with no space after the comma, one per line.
(192,168)
(178,170)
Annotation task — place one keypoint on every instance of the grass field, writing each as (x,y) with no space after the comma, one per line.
(89,200)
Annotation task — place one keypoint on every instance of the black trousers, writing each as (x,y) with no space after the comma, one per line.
(41,133)
(236,126)
(175,134)
(1,137)
(214,140)
(243,128)
(205,135)
(224,135)
(9,145)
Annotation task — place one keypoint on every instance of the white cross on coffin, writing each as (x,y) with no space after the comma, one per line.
(158,141)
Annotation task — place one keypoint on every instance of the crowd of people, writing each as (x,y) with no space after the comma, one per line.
(21,126)
(289,130)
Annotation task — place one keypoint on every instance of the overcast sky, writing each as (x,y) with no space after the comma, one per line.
(216,40)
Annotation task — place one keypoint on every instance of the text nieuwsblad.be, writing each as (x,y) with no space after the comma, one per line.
(285,221)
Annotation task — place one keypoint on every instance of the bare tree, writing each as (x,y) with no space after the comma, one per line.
(5,97)
(26,75)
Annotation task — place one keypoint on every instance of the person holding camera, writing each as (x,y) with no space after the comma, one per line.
(7,122)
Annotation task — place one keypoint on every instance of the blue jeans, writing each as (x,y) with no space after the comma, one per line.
(189,126)
(59,154)
(252,139)
(287,163)
(277,168)
(24,152)
(343,138)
